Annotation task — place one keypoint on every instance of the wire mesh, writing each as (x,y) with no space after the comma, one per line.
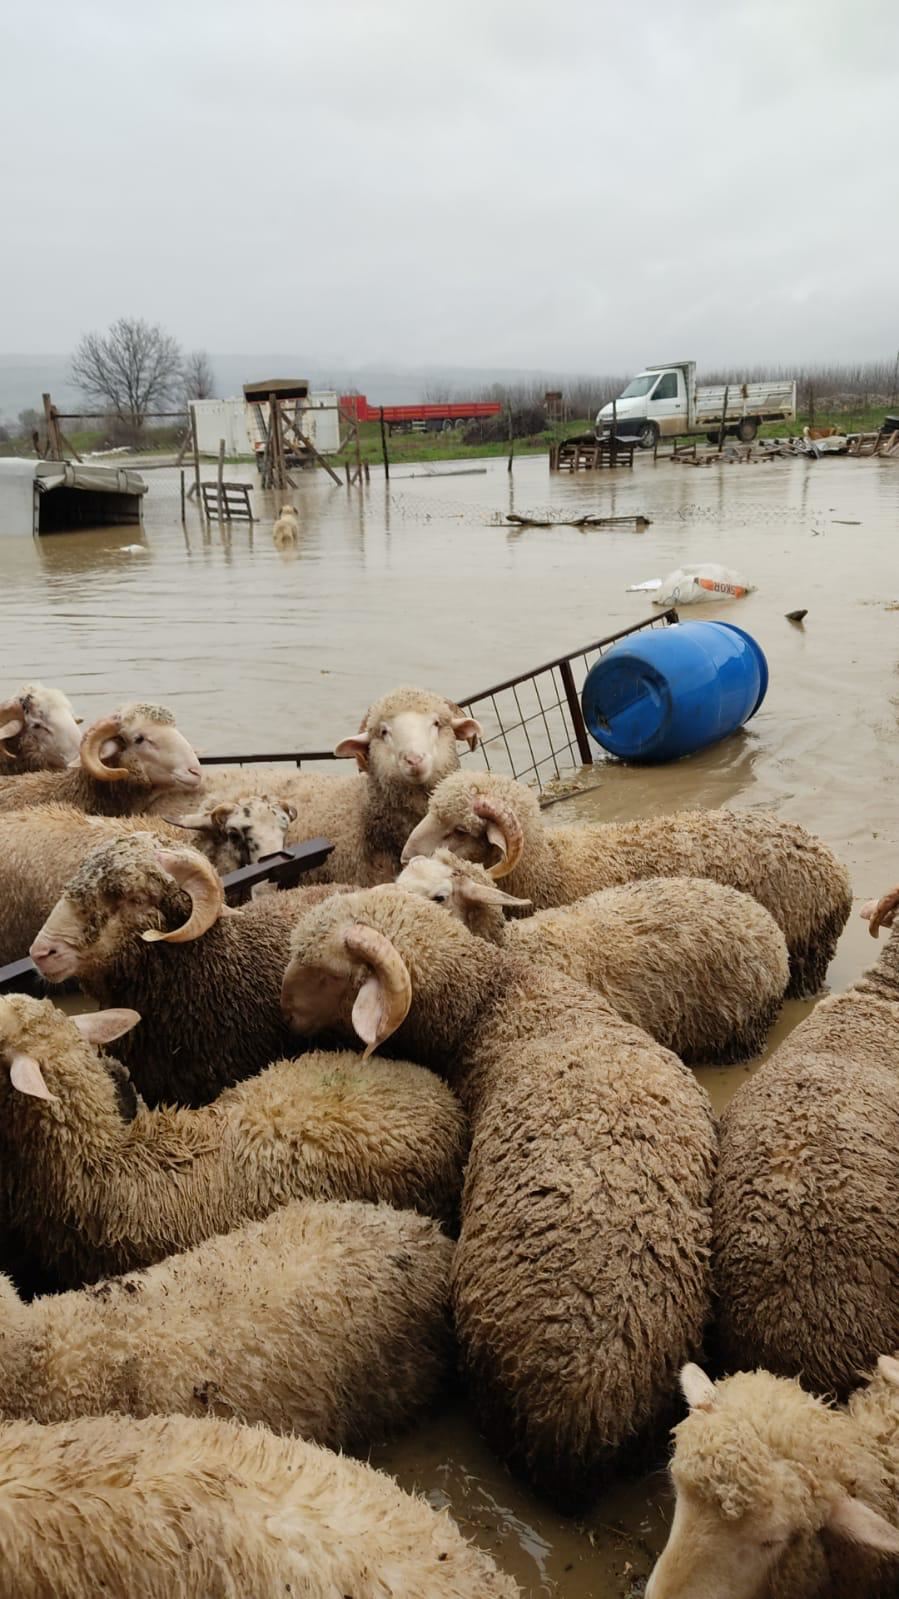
(533,725)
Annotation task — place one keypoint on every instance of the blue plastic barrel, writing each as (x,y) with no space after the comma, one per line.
(668,692)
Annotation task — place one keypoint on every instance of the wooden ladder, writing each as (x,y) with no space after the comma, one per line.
(236,504)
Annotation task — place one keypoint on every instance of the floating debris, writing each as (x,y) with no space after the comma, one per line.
(796,616)
(637,521)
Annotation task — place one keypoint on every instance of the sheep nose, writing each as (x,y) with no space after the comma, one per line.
(413,760)
(42,950)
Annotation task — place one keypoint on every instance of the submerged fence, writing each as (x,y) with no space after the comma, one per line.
(534,727)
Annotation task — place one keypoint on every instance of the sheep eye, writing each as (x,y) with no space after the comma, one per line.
(234,834)
(385,732)
(440,899)
(139,738)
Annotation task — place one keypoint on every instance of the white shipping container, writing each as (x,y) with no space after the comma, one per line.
(242,425)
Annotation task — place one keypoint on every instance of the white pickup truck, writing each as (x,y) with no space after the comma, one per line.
(664,402)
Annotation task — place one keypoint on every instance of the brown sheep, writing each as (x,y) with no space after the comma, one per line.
(581,1272)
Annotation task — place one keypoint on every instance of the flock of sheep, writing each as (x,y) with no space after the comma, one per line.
(236,1246)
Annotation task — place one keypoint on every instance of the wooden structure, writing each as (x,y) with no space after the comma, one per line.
(554,405)
(589,454)
(227,502)
(286,444)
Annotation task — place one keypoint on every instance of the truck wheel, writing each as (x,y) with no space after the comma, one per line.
(748,429)
(648,435)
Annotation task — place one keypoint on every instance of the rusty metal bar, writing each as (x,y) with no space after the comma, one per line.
(577,715)
(598,644)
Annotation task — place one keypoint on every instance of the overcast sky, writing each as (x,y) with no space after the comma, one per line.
(564,184)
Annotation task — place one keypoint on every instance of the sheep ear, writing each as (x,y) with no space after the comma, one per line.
(10,729)
(474,893)
(697,1388)
(467,730)
(849,1518)
(25,1074)
(888,1367)
(109,748)
(371,1018)
(357,745)
(291,812)
(102,1026)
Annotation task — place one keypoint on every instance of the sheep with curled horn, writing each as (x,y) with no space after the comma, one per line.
(38,731)
(489,818)
(123,761)
(92,1188)
(211,1509)
(581,1276)
(147,927)
(700,966)
(406,742)
(42,847)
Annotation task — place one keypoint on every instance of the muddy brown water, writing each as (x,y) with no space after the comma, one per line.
(255,648)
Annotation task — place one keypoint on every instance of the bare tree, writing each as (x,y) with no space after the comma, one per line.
(198,377)
(131,369)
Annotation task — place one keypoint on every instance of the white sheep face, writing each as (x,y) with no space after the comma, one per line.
(747,1514)
(414,746)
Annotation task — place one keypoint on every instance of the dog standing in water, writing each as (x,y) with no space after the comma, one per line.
(287,527)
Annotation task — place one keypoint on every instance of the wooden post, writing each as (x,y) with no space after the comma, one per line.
(221,474)
(358,455)
(384,448)
(54,451)
(183,502)
(723,417)
(196,452)
(366,471)
(613,442)
(511,441)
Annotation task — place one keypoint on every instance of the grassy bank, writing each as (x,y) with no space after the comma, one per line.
(405,449)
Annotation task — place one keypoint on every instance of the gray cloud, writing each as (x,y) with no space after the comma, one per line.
(578,186)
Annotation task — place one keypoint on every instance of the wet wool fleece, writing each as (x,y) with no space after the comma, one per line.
(325,1320)
(788,870)
(581,1278)
(87,1193)
(212,1510)
(806,1245)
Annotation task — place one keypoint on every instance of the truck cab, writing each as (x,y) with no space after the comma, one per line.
(655,404)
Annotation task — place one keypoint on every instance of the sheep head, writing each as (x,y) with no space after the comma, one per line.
(145,746)
(125,889)
(380,961)
(409,737)
(33,1033)
(465,890)
(38,730)
(251,826)
(481,816)
(750,1470)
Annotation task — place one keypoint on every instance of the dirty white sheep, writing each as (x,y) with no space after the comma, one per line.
(123,761)
(326,1320)
(489,818)
(90,1191)
(38,731)
(701,967)
(43,846)
(779,1494)
(404,746)
(212,1510)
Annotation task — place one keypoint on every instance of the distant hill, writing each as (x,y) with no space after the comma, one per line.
(24,378)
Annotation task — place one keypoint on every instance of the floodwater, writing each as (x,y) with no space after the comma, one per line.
(409,582)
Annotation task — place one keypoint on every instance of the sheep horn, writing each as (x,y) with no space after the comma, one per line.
(200,880)
(503,830)
(881,912)
(11,728)
(382,1003)
(91,743)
